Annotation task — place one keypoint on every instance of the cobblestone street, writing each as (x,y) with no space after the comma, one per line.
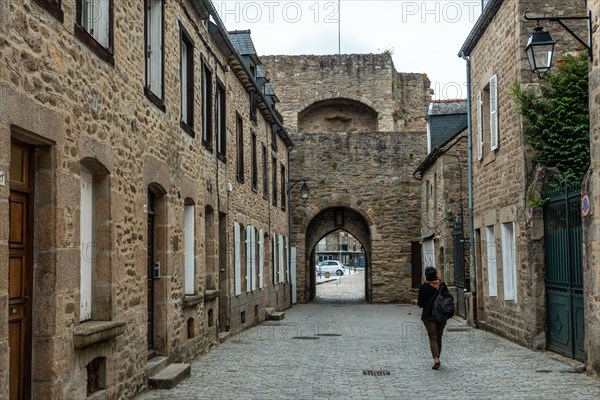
(360,351)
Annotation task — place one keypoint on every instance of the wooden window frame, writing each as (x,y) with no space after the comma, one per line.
(265,172)
(283,187)
(54,7)
(239,139)
(104,53)
(186,40)
(207,106)
(274,137)
(274,180)
(254,150)
(156,98)
(221,105)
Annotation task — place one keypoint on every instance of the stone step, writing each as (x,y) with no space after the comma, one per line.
(223,336)
(276,316)
(156,364)
(169,377)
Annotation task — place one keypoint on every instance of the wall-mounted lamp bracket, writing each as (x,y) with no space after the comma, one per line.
(560,20)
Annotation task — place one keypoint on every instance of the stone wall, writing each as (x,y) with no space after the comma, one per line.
(591,250)
(76,110)
(502,177)
(359,172)
(444,197)
(369,173)
(399,99)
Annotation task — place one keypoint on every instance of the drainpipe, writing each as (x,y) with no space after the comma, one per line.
(470,177)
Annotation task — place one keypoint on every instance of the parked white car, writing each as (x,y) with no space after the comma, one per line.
(331,266)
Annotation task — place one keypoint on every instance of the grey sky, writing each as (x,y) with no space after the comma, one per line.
(425,36)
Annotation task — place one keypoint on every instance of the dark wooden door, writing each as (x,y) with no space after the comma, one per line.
(19,272)
(150,275)
(417,264)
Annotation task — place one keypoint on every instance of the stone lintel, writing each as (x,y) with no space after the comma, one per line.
(93,332)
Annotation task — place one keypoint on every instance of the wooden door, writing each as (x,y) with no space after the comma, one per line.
(19,272)
(150,274)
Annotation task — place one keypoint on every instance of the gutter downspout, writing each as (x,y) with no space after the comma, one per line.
(470,179)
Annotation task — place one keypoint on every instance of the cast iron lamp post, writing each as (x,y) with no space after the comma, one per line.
(540,46)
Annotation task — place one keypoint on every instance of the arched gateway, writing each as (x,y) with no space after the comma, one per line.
(326,222)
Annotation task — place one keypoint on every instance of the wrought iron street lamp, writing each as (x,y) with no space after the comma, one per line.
(539,49)
(304,190)
(540,45)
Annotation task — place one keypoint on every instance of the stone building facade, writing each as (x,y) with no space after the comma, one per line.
(508,234)
(358,127)
(591,250)
(443,175)
(141,204)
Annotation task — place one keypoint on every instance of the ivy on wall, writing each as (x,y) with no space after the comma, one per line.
(557,120)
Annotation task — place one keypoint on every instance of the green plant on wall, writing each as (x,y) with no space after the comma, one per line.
(557,120)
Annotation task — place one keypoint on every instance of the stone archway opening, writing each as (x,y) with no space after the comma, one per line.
(326,222)
(337,115)
(340,269)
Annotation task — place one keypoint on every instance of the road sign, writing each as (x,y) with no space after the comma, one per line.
(585,205)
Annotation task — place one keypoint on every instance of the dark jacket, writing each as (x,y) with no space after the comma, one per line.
(426,293)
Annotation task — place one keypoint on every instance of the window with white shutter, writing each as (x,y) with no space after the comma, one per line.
(287,264)
(248,258)
(494,112)
(86,234)
(154,47)
(479,127)
(491,261)
(509,264)
(274,259)
(237,254)
(253,255)
(188,249)
(280,254)
(261,258)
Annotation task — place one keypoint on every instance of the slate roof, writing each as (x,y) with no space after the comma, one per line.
(446,107)
(445,119)
(243,42)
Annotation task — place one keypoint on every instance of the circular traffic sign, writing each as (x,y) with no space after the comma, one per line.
(585,205)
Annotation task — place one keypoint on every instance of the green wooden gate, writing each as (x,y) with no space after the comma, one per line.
(564,271)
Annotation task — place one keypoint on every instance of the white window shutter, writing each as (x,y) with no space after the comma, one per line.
(274,259)
(237,260)
(248,258)
(494,112)
(261,258)
(86,233)
(188,249)
(287,264)
(280,254)
(154,53)
(491,261)
(479,127)
(253,256)
(101,21)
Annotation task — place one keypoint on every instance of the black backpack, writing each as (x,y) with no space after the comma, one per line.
(442,307)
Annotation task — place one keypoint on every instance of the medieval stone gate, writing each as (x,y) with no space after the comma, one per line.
(359,131)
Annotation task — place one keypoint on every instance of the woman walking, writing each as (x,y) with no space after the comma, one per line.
(434,329)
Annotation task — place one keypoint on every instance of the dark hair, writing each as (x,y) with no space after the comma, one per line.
(430,274)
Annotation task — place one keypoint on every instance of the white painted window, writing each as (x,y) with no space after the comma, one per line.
(287,264)
(95,19)
(188,249)
(237,259)
(479,126)
(509,265)
(154,46)
(491,261)
(87,250)
(274,259)
(250,259)
(293,268)
(428,253)
(494,112)
(280,254)
(261,258)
